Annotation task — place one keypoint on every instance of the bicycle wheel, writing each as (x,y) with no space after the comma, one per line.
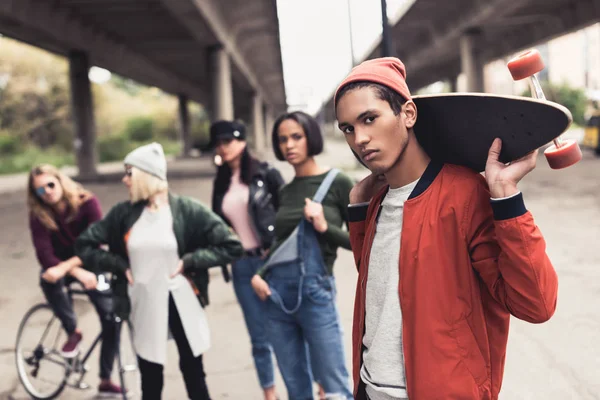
(41,367)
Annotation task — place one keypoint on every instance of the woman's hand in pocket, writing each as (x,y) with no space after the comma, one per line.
(261,287)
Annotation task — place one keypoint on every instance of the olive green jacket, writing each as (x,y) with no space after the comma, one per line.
(203,240)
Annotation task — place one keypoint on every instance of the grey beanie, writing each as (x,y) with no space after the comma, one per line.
(149,158)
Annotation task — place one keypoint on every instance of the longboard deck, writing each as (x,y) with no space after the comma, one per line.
(459,128)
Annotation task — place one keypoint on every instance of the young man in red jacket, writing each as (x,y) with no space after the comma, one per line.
(444,255)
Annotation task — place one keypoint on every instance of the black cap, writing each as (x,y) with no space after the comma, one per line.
(226,130)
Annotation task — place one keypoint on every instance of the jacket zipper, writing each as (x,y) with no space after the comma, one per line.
(400,301)
(257,236)
(253,223)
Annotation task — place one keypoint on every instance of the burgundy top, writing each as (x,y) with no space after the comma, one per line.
(53,247)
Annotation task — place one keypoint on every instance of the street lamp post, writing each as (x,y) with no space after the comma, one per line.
(386,41)
(350,33)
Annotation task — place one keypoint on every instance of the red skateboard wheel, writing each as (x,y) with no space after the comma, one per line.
(526,64)
(566,155)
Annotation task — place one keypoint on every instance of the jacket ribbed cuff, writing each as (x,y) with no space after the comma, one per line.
(357,212)
(508,208)
(187,261)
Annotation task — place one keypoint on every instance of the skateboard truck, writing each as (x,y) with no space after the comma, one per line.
(563,153)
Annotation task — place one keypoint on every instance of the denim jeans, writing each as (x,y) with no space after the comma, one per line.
(255,315)
(304,326)
(56,295)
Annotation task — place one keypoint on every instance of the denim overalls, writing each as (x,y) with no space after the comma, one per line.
(303,320)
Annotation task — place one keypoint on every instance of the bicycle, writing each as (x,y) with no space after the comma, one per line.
(37,358)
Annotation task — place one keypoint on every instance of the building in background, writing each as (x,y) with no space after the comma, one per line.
(573,59)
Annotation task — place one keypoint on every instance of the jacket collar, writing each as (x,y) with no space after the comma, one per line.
(431,172)
(173,203)
(260,169)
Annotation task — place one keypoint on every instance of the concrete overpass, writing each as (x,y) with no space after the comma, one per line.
(439,40)
(223,54)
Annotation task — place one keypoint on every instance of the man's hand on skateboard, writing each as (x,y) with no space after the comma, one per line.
(502,178)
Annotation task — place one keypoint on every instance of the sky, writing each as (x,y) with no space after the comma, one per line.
(315,43)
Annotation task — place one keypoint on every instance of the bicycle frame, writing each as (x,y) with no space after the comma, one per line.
(80,367)
(92,347)
(77,365)
(122,368)
(72,366)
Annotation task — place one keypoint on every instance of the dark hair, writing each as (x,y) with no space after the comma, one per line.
(393,98)
(312,131)
(248,167)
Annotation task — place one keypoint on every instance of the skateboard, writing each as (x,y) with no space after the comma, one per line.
(459,128)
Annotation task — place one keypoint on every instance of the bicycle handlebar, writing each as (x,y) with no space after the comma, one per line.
(101,287)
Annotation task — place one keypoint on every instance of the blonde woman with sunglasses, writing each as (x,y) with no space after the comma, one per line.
(161,247)
(59,210)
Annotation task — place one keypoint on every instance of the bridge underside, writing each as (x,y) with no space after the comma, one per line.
(225,56)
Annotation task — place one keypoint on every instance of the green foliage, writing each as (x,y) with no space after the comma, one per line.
(113,148)
(36,123)
(139,129)
(199,125)
(9,144)
(31,155)
(171,147)
(128,85)
(165,125)
(572,98)
(35,99)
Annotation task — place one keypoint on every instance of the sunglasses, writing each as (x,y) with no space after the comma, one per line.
(128,172)
(42,189)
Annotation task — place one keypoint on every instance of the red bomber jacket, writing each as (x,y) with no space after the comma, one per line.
(466,264)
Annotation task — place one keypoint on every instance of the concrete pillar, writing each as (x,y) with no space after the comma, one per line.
(472,64)
(222,86)
(83,114)
(453,80)
(269,122)
(258,123)
(184,125)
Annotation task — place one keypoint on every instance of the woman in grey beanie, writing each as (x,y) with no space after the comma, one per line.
(161,246)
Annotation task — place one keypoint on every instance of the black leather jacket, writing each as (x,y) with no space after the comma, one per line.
(262,204)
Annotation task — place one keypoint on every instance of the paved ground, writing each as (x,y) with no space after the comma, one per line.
(556,360)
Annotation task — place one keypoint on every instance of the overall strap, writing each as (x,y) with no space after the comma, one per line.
(325,185)
(300,232)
